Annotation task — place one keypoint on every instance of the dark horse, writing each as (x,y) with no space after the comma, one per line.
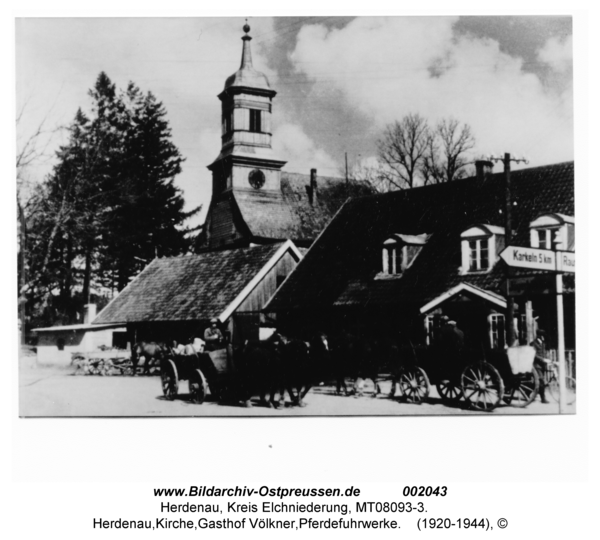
(270,368)
(356,358)
(259,372)
(297,369)
(304,365)
(152,352)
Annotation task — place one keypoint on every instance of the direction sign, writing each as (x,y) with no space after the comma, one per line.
(525,257)
(565,261)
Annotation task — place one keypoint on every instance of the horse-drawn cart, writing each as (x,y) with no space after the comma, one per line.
(206,372)
(505,376)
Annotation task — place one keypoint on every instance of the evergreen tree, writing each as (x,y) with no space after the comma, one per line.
(110,204)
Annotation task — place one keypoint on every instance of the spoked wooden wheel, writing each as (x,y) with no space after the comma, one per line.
(569,388)
(169,379)
(449,390)
(523,389)
(482,386)
(414,385)
(198,386)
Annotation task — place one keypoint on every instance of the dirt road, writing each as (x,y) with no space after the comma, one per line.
(56,392)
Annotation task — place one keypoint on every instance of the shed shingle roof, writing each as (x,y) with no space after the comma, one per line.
(339,268)
(190,287)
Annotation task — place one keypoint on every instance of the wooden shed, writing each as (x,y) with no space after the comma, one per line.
(173,299)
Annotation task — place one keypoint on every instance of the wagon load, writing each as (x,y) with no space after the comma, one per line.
(206,372)
(103,363)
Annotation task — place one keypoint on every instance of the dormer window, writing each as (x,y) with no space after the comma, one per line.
(399,252)
(479,256)
(553,231)
(480,246)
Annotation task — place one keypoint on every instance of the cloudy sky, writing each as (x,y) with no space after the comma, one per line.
(340,80)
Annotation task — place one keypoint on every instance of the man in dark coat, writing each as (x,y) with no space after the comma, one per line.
(453,341)
(540,362)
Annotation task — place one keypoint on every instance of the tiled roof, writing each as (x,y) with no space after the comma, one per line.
(339,269)
(289,213)
(191,287)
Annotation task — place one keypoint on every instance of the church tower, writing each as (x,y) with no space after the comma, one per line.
(246,160)
(253,200)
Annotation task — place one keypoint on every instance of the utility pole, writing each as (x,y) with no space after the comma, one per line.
(346,157)
(510,304)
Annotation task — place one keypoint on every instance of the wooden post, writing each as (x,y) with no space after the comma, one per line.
(529,322)
(510,307)
(560,323)
(346,158)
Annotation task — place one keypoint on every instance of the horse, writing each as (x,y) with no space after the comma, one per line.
(390,357)
(354,357)
(152,351)
(259,372)
(297,369)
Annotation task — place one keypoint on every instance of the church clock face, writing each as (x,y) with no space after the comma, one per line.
(256,179)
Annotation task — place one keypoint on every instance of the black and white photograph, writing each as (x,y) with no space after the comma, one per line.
(296,216)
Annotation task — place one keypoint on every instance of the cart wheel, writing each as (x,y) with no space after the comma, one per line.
(198,386)
(523,390)
(482,386)
(414,385)
(169,378)
(450,391)
(569,387)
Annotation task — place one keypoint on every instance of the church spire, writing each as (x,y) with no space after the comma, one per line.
(246,52)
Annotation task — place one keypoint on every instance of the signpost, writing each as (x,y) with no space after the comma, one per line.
(549,261)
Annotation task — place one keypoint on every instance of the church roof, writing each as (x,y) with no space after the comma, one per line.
(340,267)
(289,213)
(190,287)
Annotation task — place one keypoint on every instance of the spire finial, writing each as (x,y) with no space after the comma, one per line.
(246,54)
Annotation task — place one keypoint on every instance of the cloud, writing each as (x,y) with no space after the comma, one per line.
(387,68)
(558,54)
(294,145)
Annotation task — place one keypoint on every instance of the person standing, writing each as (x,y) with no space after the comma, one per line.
(213,336)
(453,342)
(540,362)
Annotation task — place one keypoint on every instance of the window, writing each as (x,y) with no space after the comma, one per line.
(479,254)
(433,327)
(119,340)
(255,124)
(496,330)
(228,121)
(545,238)
(393,259)
(480,246)
(553,231)
(400,251)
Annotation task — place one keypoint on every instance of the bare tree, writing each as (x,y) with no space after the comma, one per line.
(31,149)
(431,169)
(447,154)
(402,151)
(373,176)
